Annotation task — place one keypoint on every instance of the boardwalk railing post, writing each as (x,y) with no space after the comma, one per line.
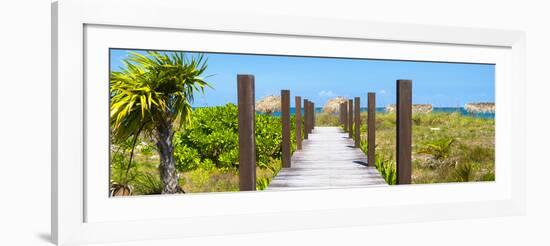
(298,115)
(313,116)
(310,116)
(340,114)
(285,122)
(350,118)
(404,131)
(357,122)
(345,116)
(246,128)
(371,129)
(341,118)
(306,119)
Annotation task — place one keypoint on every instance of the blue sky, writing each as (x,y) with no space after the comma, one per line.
(319,79)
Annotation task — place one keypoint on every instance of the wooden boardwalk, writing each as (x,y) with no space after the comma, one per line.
(327,160)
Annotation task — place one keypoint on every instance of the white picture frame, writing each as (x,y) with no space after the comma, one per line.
(82,216)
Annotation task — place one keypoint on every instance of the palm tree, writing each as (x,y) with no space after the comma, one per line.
(152,94)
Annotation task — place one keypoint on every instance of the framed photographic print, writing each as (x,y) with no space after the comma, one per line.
(167,127)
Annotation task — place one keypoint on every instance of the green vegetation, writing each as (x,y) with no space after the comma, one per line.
(148,97)
(326,119)
(447,147)
(206,154)
(161,145)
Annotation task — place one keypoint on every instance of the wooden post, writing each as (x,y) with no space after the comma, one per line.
(357,122)
(404,131)
(298,115)
(346,117)
(285,122)
(310,116)
(313,116)
(371,130)
(341,114)
(306,119)
(350,118)
(246,128)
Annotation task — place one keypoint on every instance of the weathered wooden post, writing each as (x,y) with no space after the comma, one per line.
(313,116)
(310,116)
(404,131)
(346,116)
(371,129)
(246,128)
(357,122)
(341,111)
(285,122)
(298,116)
(306,119)
(350,118)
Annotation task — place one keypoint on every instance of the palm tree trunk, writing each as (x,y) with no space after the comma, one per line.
(167,167)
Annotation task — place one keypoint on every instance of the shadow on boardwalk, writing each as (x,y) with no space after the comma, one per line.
(327,160)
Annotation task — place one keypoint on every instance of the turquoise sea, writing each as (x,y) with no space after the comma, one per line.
(435,109)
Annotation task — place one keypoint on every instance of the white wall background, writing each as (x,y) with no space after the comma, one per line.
(25,122)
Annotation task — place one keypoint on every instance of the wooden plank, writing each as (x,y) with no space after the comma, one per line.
(247,124)
(285,123)
(350,118)
(357,122)
(298,114)
(404,131)
(371,129)
(327,160)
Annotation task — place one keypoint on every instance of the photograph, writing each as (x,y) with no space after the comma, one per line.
(175,120)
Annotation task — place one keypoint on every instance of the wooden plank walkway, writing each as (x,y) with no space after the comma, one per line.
(327,160)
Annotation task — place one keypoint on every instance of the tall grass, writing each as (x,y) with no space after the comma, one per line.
(385,165)
(327,119)
(447,147)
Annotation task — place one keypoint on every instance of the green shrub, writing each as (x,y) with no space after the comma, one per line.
(387,168)
(439,148)
(489,176)
(262,183)
(211,141)
(186,158)
(464,172)
(147,184)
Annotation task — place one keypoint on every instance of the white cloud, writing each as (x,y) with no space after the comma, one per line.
(326,94)
(382,92)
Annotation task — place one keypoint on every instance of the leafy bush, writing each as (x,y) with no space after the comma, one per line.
(489,176)
(268,138)
(387,168)
(262,183)
(148,184)
(206,153)
(439,148)
(464,172)
(212,137)
(186,158)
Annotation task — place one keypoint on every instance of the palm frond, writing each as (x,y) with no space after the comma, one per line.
(155,85)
